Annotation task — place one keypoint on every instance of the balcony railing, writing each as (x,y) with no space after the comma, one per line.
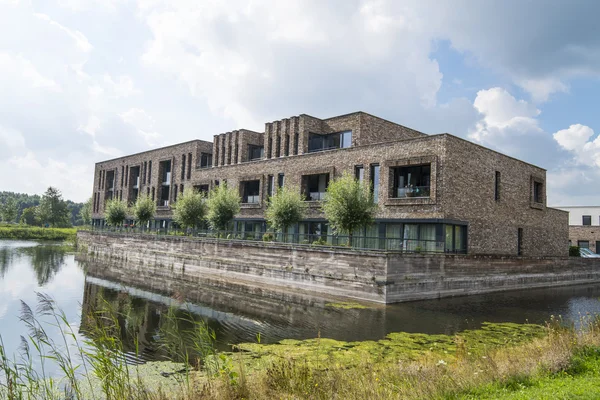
(251,199)
(163,203)
(413,246)
(136,185)
(412,191)
(316,196)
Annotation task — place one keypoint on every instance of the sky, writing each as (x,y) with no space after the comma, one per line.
(83,81)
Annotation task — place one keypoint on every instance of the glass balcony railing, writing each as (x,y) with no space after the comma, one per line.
(136,185)
(412,191)
(167,179)
(316,196)
(251,199)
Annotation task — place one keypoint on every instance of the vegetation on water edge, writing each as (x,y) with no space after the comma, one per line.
(496,361)
(25,232)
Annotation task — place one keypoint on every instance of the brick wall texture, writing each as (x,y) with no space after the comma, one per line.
(591,234)
(463,186)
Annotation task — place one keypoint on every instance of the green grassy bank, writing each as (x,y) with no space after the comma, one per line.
(24,232)
(497,361)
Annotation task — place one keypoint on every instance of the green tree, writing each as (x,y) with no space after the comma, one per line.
(348,205)
(29,216)
(285,208)
(10,211)
(115,212)
(144,209)
(86,212)
(190,209)
(53,209)
(223,204)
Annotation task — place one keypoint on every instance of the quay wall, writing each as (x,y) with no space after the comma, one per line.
(165,263)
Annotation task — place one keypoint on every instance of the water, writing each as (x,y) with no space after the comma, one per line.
(28,267)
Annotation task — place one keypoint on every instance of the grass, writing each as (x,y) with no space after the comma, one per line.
(497,361)
(25,232)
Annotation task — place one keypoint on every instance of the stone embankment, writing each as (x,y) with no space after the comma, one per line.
(165,263)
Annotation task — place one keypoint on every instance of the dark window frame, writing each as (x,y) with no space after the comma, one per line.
(497,186)
(422,185)
(329,141)
(586,220)
(250,190)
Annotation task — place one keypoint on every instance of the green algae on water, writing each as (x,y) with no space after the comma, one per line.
(394,348)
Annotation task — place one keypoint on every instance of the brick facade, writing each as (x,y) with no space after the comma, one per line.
(510,217)
(590,234)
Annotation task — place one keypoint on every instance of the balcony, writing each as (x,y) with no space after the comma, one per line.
(412,191)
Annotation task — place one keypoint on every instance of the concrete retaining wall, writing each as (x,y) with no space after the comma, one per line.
(164,263)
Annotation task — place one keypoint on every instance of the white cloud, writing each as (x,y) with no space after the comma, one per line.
(145,125)
(17,67)
(79,38)
(506,124)
(576,139)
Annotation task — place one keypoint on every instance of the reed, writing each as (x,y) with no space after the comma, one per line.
(97,367)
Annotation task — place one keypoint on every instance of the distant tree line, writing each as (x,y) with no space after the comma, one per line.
(49,209)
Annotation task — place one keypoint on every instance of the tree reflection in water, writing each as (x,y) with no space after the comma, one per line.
(45,260)
(6,257)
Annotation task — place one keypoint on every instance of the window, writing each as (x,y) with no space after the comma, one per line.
(189,171)
(122,174)
(497,187)
(411,181)
(183,167)
(315,186)
(205,160)
(201,189)
(150,171)
(270,185)
(520,242)
(144,172)
(583,243)
(255,152)
(538,192)
(278,147)
(250,191)
(587,220)
(287,146)
(597,247)
(359,173)
(338,140)
(280,180)
(296,139)
(375,182)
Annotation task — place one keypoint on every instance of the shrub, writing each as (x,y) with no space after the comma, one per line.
(223,204)
(144,209)
(349,205)
(115,212)
(574,251)
(268,237)
(190,209)
(285,209)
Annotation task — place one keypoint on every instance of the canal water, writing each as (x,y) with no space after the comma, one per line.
(28,268)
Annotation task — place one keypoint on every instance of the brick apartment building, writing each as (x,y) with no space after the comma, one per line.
(584,226)
(448,193)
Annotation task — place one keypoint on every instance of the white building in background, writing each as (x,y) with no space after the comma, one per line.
(584,226)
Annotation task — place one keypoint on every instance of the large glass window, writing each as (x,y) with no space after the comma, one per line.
(205,160)
(250,191)
(255,152)
(583,243)
(315,186)
(375,182)
(359,173)
(413,181)
(338,140)
(587,220)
